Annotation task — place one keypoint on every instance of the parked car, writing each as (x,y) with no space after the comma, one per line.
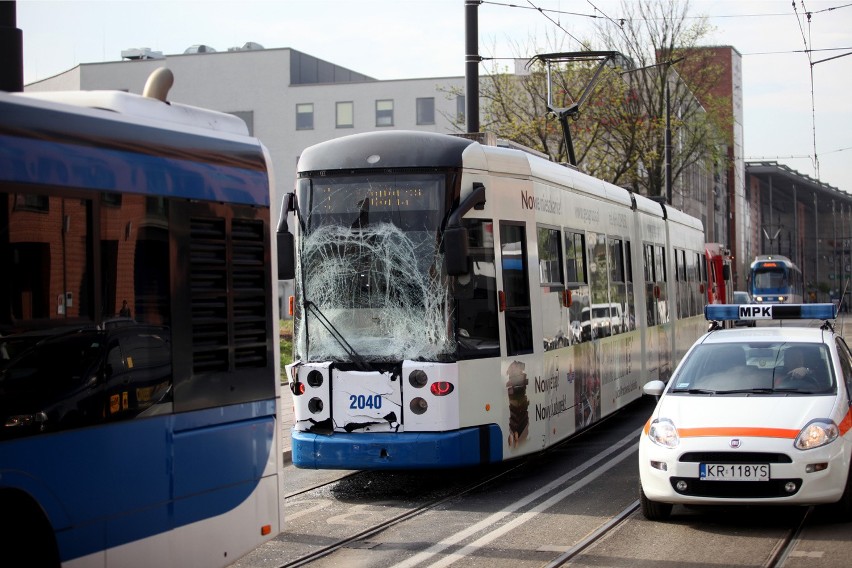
(84,377)
(741,297)
(753,417)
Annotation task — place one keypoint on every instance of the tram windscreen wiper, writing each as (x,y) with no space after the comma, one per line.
(359,361)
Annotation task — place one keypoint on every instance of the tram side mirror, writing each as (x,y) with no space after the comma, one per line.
(726,272)
(286,242)
(455,235)
(455,251)
(286,256)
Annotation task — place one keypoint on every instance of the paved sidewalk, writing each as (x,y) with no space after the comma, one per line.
(287,419)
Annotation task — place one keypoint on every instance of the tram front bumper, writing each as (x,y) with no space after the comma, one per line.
(405,450)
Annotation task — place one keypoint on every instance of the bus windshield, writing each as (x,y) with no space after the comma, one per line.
(371,244)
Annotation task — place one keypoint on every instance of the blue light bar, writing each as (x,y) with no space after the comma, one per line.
(724,312)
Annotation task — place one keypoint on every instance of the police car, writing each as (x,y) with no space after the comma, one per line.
(754,415)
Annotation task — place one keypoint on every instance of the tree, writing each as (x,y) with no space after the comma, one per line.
(619,134)
(664,44)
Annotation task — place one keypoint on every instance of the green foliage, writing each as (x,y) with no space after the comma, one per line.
(285,333)
(619,134)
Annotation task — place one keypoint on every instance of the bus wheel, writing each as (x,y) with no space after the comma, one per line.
(26,538)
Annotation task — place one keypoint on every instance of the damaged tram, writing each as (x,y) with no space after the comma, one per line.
(443,295)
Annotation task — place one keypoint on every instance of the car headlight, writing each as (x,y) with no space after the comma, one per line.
(663,432)
(817,433)
(26,420)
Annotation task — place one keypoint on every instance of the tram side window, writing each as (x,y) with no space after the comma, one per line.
(693,276)
(663,307)
(602,320)
(650,297)
(476,295)
(518,317)
(681,301)
(619,300)
(579,313)
(549,257)
(631,308)
(554,322)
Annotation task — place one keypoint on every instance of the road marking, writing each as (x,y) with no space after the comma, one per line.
(492,519)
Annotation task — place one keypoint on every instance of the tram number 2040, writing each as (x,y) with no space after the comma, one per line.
(360,402)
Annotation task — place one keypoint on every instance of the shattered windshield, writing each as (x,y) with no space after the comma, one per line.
(370,268)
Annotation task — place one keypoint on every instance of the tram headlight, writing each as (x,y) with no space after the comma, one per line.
(816,433)
(663,433)
(315,405)
(315,378)
(418,378)
(418,405)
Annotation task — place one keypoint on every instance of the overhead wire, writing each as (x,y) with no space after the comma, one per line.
(806,39)
(808,47)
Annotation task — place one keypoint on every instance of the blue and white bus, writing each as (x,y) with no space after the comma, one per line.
(139,367)
(775,279)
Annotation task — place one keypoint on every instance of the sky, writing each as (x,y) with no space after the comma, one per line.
(796,105)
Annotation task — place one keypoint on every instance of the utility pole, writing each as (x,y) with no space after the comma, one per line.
(471,65)
(11,46)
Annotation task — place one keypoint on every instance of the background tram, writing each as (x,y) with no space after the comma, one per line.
(139,367)
(459,304)
(775,279)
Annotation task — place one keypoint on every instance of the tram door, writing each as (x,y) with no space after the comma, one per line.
(515,297)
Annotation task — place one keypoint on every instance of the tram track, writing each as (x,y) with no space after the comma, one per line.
(594,537)
(396,519)
(389,519)
(788,543)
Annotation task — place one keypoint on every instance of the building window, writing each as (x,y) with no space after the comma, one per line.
(345,115)
(384,113)
(460,108)
(426,110)
(247,116)
(305,116)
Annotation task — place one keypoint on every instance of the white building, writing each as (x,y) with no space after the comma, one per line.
(288,99)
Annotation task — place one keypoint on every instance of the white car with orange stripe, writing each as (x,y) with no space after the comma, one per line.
(755,415)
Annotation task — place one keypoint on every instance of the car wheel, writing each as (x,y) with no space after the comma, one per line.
(654,510)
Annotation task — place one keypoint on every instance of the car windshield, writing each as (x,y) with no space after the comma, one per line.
(756,368)
(741,298)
